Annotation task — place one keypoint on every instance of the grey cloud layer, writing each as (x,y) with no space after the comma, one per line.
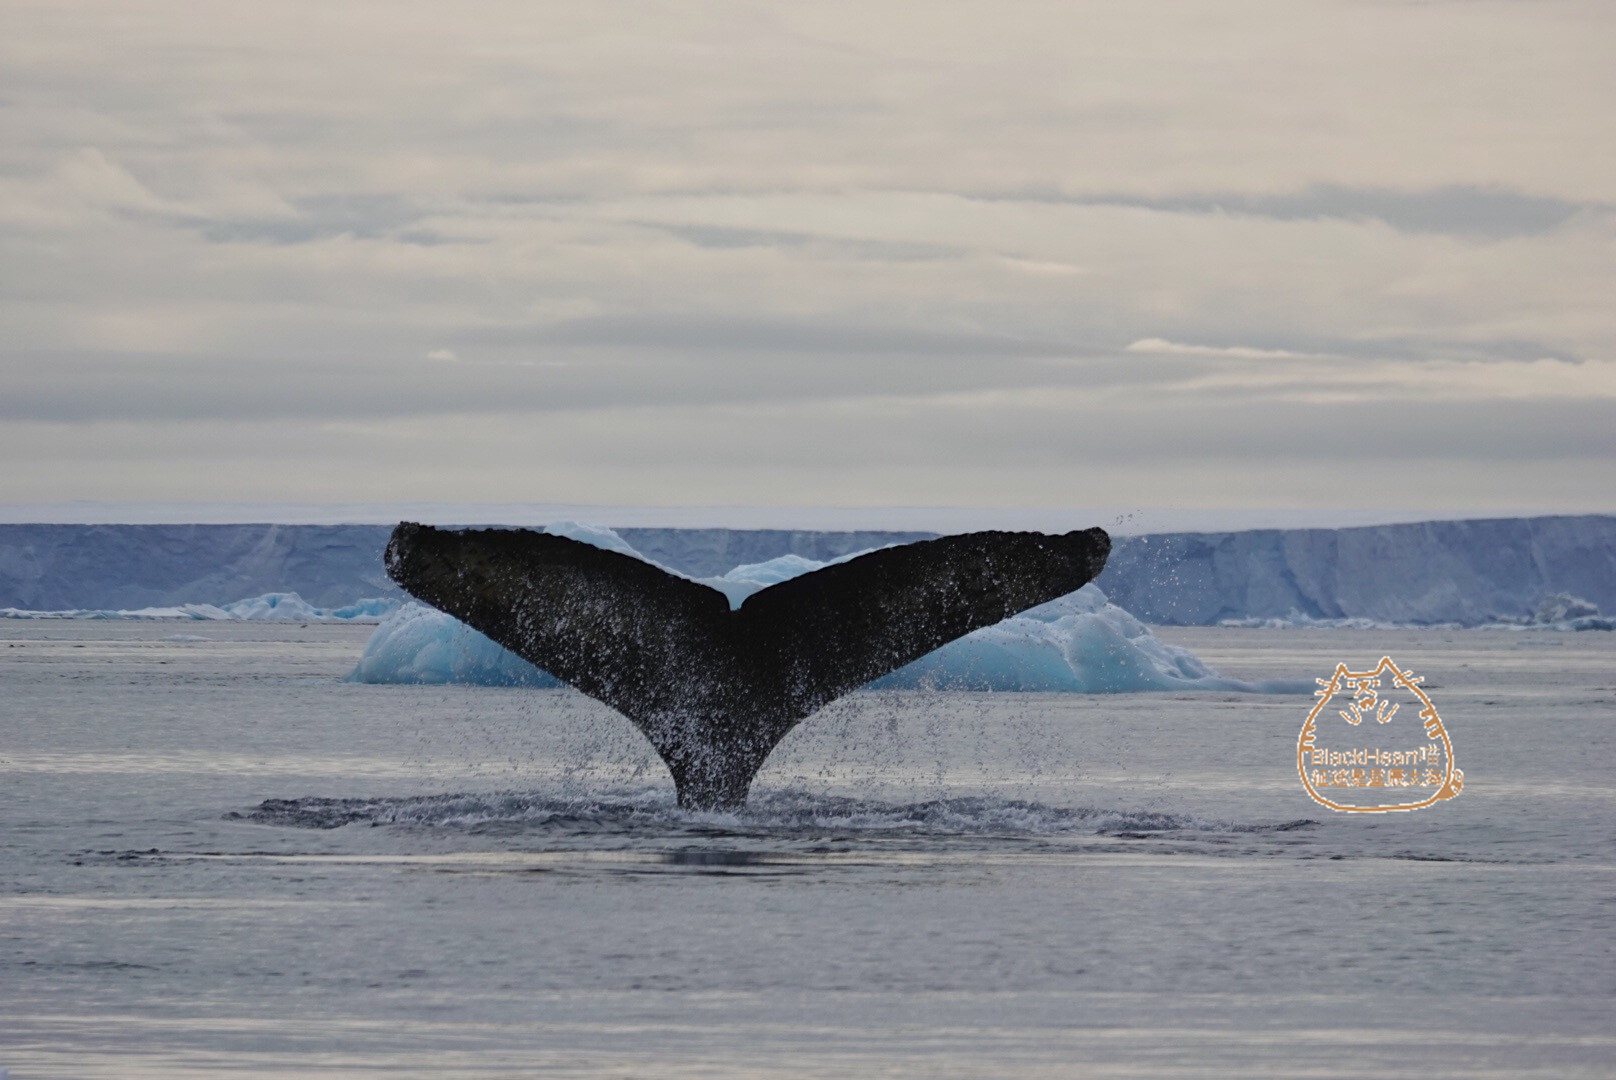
(1453,209)
(882,253)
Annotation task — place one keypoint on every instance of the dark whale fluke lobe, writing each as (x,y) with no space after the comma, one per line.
(714,690)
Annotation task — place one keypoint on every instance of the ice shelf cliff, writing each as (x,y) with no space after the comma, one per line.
(1465,572)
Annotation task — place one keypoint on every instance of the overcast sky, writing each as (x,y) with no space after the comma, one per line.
(994,254)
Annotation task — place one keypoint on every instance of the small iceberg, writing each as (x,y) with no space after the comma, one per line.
(1562,611)
(422,645)
(270,607)
(1557,611)
(1082,644)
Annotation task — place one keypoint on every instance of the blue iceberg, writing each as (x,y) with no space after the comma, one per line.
(1080,644)
(270,607)
(418,644)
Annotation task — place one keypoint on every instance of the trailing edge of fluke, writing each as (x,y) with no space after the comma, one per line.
(715,689)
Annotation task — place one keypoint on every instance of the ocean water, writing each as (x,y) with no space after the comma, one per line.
(217,859)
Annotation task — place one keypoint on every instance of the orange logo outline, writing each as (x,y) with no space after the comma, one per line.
(1453,777)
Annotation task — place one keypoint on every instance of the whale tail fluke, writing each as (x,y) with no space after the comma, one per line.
(715,690)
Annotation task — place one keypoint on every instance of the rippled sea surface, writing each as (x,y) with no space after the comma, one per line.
(217,859)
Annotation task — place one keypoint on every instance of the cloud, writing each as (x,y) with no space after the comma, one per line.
(720,236)
(1033,449)
(313,217)
(1236,352)
(750,334)
(967,254)
(1464,210)
(1374,383)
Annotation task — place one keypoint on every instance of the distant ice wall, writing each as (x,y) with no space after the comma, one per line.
(1464,572)
(113,567)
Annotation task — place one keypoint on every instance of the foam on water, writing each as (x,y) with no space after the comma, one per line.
(787,812)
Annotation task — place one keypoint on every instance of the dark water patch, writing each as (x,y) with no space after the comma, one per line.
(1423,856)
(1284,826)
(716,858)
(723,862)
